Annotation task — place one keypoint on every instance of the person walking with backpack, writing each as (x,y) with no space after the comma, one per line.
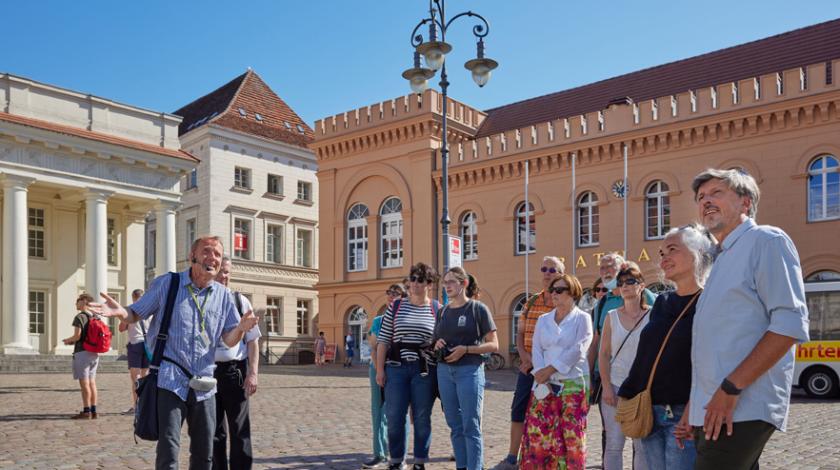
(85,362)
(463,333)
(405,366)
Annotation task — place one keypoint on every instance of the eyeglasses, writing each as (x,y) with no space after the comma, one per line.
(558,290)
(548,270)
(420,279)
(602,290)
(631,281)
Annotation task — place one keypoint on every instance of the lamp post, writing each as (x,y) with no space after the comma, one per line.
(434,53)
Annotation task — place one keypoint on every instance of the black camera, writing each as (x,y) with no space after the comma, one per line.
(441,353)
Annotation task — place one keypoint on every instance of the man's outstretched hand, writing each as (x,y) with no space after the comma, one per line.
(109,308)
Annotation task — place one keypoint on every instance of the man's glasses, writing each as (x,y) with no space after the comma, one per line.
(558,290)
(631,281)
(548,270)
(420,279)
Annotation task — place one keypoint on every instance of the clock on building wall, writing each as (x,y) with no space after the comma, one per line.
(618,189)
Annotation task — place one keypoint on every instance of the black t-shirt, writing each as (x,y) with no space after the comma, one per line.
(466,325)
(80,320)
(672,382)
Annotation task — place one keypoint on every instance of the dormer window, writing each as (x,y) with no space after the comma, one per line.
(242,112)
(258,117)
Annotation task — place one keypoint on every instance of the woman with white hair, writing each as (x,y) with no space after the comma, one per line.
(686,258)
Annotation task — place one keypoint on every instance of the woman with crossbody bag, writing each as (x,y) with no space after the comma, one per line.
(618,349)
(661,372)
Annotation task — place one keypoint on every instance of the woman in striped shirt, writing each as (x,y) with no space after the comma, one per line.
(405,366)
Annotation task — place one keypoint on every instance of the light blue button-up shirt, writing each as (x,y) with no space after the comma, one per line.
(755,286)
(220,316)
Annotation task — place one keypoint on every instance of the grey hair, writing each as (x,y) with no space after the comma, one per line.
(561,268)
(616,259)
(700,243)
(738,180)
(206,238)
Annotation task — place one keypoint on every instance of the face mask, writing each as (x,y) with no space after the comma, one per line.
(611,284)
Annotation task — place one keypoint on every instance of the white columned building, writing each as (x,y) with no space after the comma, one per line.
(79,174)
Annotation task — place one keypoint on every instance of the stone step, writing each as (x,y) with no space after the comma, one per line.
(27,364)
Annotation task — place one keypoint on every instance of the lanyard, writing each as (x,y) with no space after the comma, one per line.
(201,316)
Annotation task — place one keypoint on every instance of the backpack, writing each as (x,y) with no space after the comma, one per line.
(97,336)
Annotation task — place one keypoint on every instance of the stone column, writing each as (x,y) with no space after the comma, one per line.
(15,266)
(96,242)
(165,242)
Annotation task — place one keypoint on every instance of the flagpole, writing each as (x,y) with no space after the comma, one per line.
(527,228)
(626,196)
(574,216)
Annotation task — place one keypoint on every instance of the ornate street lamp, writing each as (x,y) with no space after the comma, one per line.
(434,54)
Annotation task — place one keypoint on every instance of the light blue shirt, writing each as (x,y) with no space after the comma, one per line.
(755,286)
(185,329)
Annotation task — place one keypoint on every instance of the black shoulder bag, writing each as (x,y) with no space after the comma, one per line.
(146,410)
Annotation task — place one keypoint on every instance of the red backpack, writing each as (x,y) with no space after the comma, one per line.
(97,336)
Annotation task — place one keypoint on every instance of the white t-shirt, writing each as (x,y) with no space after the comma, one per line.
(620,365)
(240,351)
(135,332)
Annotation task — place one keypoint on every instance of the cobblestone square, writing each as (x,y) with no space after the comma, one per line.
(306,418)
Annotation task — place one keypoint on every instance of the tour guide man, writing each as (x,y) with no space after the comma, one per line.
(204,314)
(749,316)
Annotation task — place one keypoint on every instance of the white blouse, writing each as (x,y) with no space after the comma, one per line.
(563,346)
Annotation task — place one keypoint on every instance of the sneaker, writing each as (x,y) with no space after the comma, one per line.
(505,465)
(93,415)
(419,466)
(396,466)
(376,462)
(129,411)
(82,415)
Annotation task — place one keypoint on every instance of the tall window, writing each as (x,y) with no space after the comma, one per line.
(303,253)
(273,319)
(273,243)
(657,210)
(469,234)
(526,229)
(241,238)
(823,189)
(587,210)
(391,229)
(192,179)
(357,238)
(275,185)
(112,242)
(242,178)
(516,313)
(36,233)
(37,311)
(304,191)
(303,317)
(189,233)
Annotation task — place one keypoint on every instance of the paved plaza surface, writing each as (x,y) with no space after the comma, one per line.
(306,417)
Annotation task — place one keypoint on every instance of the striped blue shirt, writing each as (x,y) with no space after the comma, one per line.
(185,329)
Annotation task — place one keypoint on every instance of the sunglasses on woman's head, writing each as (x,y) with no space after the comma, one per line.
(548,270)
(630,281)
(558,290)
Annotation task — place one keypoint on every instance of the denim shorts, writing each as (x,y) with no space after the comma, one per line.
(521,396)
(137,358)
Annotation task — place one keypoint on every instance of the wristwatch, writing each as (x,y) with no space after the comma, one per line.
(729,388)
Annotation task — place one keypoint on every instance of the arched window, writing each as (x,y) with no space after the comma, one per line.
(526,229)
(516,310)
(587,209)
(822,293)
(823,189)
(391,231)
(357,238)
(469,234)
(657,210)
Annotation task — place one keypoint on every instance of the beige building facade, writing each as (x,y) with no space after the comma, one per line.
(79,175)
(769,108)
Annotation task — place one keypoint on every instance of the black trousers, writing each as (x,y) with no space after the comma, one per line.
(232,409)
(740,451)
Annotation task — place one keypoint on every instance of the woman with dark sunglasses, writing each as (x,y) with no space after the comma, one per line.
(555,426)
(622,328)
(405,364)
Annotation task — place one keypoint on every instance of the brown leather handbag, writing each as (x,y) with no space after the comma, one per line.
(635,415)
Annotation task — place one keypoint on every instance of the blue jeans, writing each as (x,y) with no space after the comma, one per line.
(462,397)
(660,447)
(403,386)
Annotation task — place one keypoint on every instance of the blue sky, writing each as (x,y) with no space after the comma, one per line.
(328,56)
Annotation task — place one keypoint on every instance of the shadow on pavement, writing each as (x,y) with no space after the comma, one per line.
(348,461)
(35,417)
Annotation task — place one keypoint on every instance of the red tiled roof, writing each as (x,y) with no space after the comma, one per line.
(249,93)
(805,46)
(97,136)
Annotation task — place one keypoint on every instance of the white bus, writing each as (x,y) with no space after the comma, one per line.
(817,368)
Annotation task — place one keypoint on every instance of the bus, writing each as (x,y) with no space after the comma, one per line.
(817,367)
